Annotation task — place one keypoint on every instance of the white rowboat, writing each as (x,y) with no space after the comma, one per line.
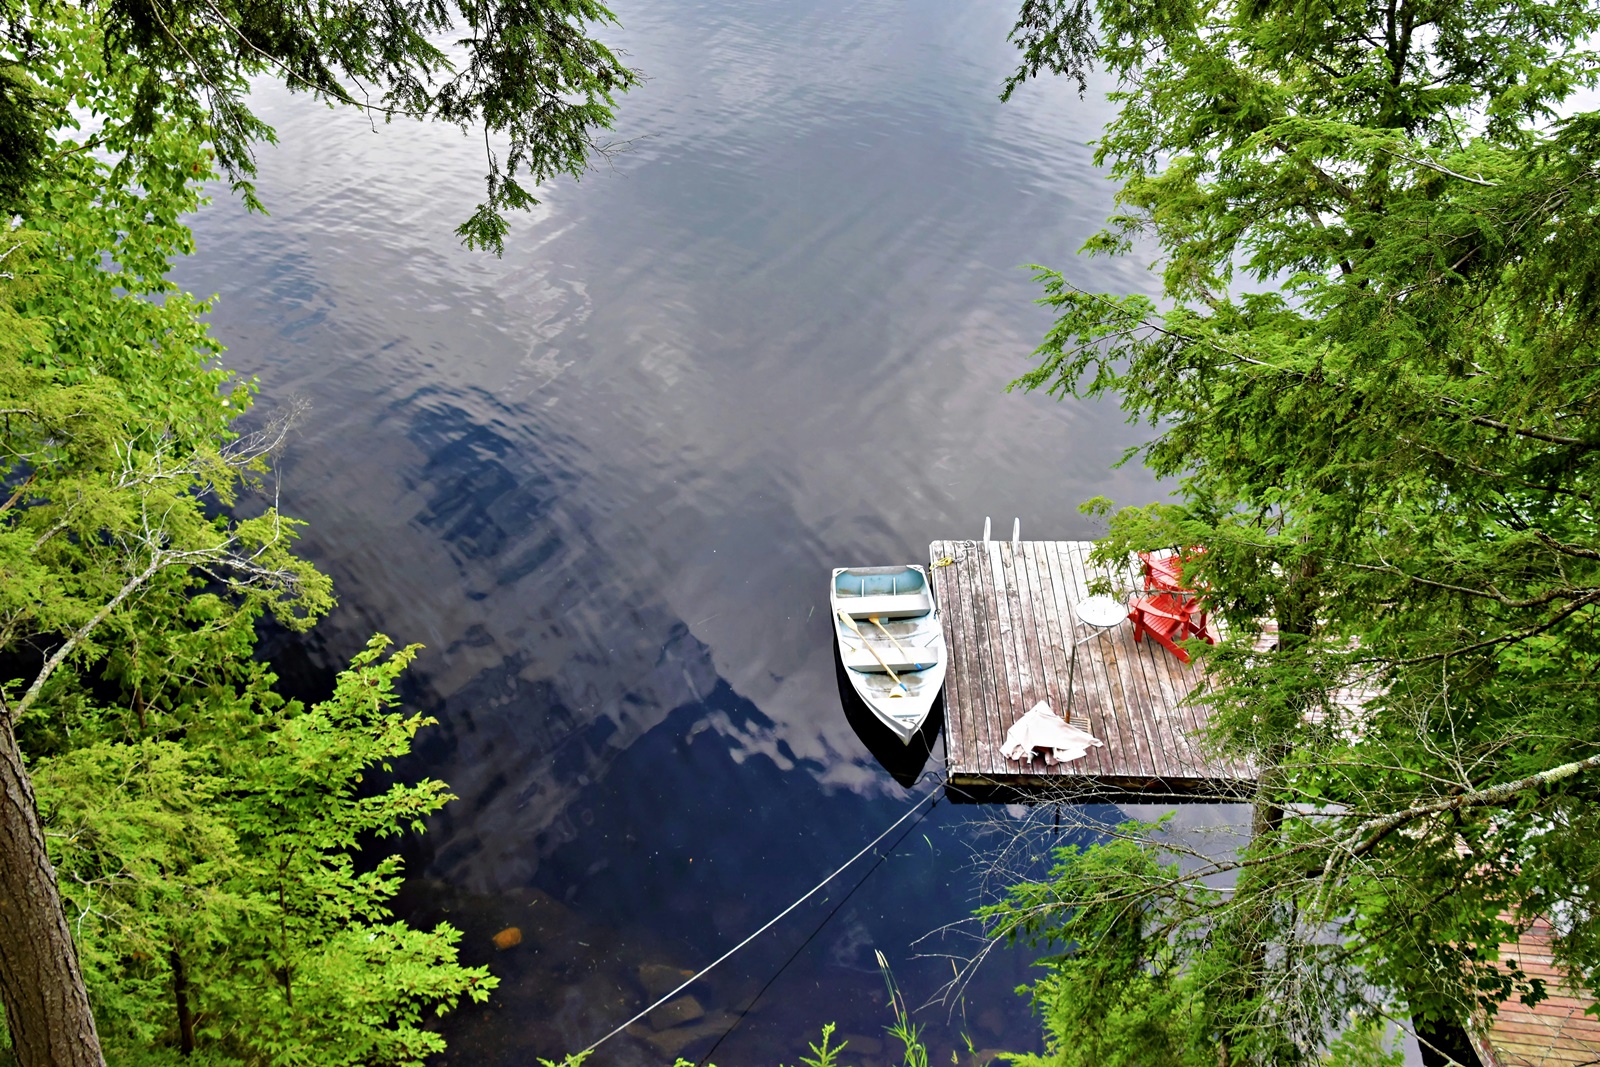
(890,641)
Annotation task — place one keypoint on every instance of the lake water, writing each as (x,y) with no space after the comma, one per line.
(603,479)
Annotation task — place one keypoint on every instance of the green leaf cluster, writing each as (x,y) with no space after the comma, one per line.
(229,857)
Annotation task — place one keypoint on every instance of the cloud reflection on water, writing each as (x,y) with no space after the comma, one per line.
(604,478)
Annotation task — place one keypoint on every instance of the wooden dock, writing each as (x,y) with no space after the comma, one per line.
(1009,625)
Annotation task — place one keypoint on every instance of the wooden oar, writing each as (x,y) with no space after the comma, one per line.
(851,623)
(898,646)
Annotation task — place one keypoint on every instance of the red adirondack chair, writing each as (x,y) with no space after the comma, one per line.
(1166,572)
(1171,612)
(1168,618)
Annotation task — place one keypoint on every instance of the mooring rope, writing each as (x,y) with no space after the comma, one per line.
(826,919)
(932,793)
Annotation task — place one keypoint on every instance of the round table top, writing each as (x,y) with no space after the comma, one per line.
(1103,612)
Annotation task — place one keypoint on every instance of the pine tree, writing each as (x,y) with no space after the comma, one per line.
(1372,375)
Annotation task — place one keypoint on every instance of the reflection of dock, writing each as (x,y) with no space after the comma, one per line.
(1010,627)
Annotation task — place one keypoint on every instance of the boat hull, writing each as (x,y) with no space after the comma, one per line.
(890,642)
(904,761)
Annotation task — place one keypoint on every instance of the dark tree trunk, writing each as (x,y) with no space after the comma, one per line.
(47,1007)
(180,993)
(1252,918)
(1296,618)
(1445,1044)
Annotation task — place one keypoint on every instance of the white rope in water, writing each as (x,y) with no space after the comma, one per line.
(769,924)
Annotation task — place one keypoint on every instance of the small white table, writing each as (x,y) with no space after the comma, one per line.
(1102,614)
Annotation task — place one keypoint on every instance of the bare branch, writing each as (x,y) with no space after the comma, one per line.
(1440,168)
(77,637)
(1487,594)
(1504,639)
(1370,833)
(1537,435)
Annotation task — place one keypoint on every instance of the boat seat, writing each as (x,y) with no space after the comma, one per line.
(879,581)
(862,659)
(903,606)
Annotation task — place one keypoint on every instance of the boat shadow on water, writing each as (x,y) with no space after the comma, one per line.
(904,760)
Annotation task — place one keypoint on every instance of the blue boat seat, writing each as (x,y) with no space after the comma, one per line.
(887,607)
(887,592)
(880,581)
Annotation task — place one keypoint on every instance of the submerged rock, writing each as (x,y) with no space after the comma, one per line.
(676,1012)
(669,1044)
(659,979)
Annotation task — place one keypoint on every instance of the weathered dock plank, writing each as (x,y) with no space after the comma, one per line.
(1010,626)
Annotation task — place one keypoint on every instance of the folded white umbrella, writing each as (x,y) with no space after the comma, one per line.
(1043,729)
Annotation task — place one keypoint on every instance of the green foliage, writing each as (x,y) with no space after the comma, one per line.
(1372,370)
(1116,993)
(1362,1045)
(199,824)
(525,71)
(23,141)
(231,854)
(825,1054)
(204,830)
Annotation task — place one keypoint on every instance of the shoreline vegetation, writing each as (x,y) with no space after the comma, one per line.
(1370,375)
(178,841)
(1372,372)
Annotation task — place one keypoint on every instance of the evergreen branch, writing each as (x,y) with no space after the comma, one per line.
(332,88)
(61,653)
(1543,487)
(1487,594)
(1503,639)
(1145,323)
(1369,834)
(155,10)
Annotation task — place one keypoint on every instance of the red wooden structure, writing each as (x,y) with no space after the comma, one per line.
(1170,613)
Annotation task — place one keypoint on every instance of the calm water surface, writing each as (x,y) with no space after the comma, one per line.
(603,480)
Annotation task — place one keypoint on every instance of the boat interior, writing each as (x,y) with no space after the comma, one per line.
(880,581)
(884,592)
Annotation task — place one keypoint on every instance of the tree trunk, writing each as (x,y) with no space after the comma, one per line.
(1249,922)
(47,1007)
(180,993)
(1296,618)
